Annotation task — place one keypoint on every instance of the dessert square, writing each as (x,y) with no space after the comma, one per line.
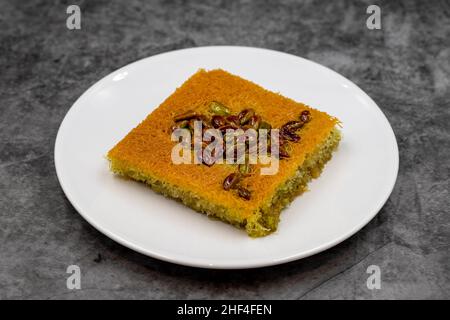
(235,193)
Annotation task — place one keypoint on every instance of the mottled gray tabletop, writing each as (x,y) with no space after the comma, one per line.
(45,67)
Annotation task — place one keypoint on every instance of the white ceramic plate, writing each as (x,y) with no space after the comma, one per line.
(352,189)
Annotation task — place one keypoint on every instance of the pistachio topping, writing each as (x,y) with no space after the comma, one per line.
(245,115)
(218,121)
(283,152)
(255,122)
(219,109)
(233,120)
(292,125)
(305,116)
(223,120)
(245,168)
(186,116)
(265,125)
(289,135)
(231,181)
(244,193)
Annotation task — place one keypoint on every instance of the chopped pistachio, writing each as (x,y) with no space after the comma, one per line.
(219,109)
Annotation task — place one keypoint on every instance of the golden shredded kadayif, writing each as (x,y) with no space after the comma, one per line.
(144,154)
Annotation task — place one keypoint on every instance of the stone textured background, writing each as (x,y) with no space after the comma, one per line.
(405,68)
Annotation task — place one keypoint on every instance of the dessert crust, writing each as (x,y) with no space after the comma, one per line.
(144,154)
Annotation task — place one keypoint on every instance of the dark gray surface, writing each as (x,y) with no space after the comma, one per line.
(44,67)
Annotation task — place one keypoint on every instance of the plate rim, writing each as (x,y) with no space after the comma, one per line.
(197,262)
